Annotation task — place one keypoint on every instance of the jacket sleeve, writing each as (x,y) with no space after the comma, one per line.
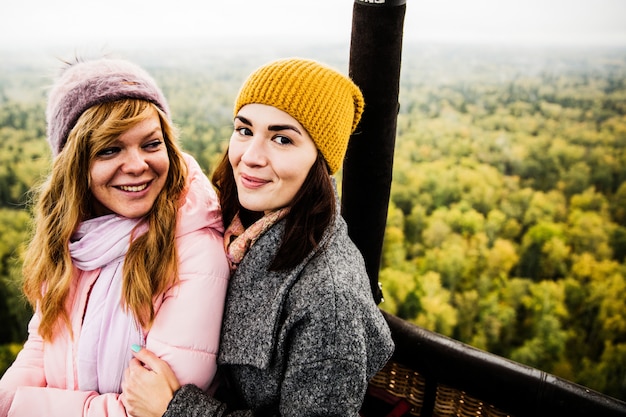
(190,400)
(23,390)
(27,368)
(315,396)
(331,387)
(46,401)
(186,330)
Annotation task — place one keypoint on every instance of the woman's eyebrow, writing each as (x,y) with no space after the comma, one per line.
(243,120)
(278,128)
(271,128)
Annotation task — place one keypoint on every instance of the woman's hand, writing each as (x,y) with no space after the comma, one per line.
(149,385)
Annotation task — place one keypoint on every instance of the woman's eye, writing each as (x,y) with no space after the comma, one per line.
(244,131)
(153,145)
(282,140)
(108,151)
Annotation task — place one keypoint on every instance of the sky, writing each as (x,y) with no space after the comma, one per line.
(93,23)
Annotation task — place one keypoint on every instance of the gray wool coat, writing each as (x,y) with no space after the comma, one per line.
(302,342)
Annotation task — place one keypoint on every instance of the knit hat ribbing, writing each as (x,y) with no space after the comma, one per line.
(85,84)
(326,103)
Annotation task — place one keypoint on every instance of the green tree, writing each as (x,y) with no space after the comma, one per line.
(545,344)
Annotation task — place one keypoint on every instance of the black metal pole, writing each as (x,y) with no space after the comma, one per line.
(375,56)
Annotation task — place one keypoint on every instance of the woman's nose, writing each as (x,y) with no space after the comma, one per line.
(134,162)
(254,153)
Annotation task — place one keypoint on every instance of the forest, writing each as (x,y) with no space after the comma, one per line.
(507,220)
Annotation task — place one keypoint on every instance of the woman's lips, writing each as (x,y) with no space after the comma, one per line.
(135,188)
(252,182)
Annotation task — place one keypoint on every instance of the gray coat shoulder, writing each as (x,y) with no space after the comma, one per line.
(333,292)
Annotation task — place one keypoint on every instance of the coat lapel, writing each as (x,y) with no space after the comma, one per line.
(254,303)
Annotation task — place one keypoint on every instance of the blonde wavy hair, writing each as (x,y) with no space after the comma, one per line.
(64,200)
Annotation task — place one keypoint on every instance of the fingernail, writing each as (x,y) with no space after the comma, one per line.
(135,348)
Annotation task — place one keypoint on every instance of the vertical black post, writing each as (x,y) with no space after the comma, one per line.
(375,55)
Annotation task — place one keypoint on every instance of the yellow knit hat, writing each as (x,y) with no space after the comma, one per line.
(328,104)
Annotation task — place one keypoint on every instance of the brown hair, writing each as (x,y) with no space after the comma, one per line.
(312,211)
(62,202)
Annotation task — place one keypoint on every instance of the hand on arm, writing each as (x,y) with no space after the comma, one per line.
(149,385)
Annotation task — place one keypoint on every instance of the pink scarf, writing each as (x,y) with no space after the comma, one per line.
(238,240)
(107,331)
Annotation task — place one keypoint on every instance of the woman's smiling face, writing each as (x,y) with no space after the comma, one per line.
(128,175)
(271,154)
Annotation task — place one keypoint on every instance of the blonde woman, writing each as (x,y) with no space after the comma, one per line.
(127,250)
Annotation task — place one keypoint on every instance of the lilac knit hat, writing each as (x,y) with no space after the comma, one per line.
(85,84)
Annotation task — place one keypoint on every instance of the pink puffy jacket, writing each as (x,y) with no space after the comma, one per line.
(42,381)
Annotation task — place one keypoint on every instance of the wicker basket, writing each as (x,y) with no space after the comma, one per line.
(403,390)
